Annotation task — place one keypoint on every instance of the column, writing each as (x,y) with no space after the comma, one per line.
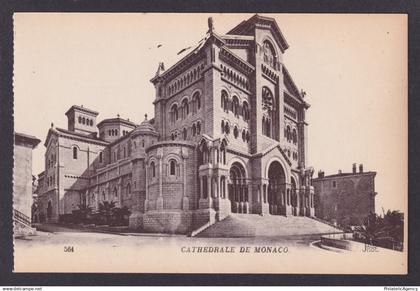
(120,187)
(201,187)
(185,200)
(146,202)
(266,209)
(159,200)
(250,198)
(209,189)
(296,193)
(288,206)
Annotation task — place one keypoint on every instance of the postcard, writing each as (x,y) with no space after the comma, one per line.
(210,143)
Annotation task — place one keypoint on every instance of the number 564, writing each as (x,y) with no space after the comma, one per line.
(69,249)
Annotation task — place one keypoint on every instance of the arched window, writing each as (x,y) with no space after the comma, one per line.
(185,108)
(172,166)
(227,128)
(174,112)
(223,126)
(288,133)
(172,136)
(91,122)
(109,132)
(194,129)
(224,101)
(235,106)
(115,192)
(235,132)
(269,54)
(197,101)
(128,189)
(83,120)
(245,111)
(198,127)
(184,133)
(80,119)
(103,195)
(116,132)
(153,169)
(267,107)
(267,99)
(244,135)
(142,143)
(223,152)
(125,152)
(100,157)
(294,136)
(75,153)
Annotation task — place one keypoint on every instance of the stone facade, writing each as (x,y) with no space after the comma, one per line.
(345,199)
(22,181)
(228,135)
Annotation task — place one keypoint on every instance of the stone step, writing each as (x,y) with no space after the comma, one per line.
(249,225)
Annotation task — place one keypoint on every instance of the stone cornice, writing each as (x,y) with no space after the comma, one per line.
(269,149)
(170,143)
(238,41)
(79,138)
(270,74)
(289,81)
(235,61)
(193,56)
(179,67)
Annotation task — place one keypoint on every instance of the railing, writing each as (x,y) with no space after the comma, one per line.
(21,217)
(329,223)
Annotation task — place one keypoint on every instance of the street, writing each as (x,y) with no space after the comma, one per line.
(59,235)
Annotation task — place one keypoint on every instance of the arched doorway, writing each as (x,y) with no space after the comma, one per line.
(238,189)
(276,188)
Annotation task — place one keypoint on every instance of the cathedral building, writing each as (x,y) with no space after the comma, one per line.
(228,136)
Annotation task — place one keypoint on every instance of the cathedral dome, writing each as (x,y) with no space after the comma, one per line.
(145,128)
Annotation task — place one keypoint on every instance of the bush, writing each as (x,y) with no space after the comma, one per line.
(386,231)
(107,214)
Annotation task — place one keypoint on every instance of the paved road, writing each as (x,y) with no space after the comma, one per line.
(58,234)
(134,252)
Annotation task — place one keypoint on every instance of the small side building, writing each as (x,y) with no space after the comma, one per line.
(345,199)
(22,182)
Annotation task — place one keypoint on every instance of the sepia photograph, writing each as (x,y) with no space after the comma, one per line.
(210,143)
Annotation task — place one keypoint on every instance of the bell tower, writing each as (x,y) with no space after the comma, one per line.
(81,120)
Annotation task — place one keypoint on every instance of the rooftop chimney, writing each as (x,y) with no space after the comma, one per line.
(361,168)
(354,168)
(340,172)
(320,174)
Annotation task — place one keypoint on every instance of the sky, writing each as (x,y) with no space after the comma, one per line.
(353,68)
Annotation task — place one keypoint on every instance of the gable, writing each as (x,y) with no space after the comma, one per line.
(248,27)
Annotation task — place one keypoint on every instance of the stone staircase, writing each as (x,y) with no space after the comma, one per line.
(251,225)
(22,224)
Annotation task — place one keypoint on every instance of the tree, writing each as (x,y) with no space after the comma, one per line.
(394,222)
(373,229)
(84,212)
(120,216)
(106,210)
